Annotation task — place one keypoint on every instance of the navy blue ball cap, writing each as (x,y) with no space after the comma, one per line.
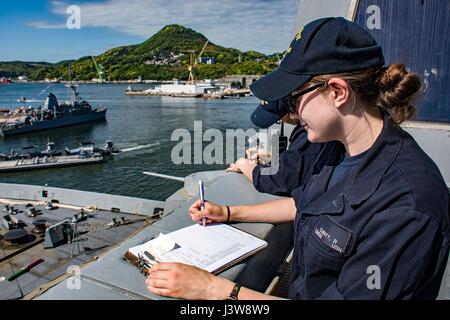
(267,113)
(324,46)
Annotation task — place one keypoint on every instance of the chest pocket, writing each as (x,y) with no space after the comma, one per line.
(330,237)
(325,250)
(326,246)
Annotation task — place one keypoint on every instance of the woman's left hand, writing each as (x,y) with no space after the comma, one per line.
(179,280)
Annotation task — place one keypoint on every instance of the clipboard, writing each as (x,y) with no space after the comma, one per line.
(213,248)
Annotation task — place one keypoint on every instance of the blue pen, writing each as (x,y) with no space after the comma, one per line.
(201,191)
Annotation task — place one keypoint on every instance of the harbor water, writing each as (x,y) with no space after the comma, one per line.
(140,126)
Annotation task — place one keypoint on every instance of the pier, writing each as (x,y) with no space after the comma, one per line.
(229,93)
(47,162)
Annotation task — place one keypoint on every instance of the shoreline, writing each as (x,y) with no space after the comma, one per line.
(90,82)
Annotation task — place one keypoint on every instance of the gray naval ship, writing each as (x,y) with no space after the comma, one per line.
(73,242)
(53,115)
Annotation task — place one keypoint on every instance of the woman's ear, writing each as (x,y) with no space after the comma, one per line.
(287,119)
(340,91)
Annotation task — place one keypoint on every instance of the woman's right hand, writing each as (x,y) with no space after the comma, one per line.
(212,212)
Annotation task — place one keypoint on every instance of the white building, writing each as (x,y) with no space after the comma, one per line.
(184,89)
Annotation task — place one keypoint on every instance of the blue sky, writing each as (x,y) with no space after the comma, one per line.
(35,30)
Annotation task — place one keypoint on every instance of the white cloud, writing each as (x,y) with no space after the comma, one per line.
(261,25)
(46,25)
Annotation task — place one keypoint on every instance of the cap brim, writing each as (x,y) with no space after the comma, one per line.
(263,118)
(277,84)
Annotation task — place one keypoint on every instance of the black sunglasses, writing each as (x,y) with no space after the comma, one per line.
(290,102)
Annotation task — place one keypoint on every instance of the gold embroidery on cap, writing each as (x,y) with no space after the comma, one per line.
(299,35)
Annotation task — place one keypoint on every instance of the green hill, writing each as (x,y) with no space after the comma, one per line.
(164,56)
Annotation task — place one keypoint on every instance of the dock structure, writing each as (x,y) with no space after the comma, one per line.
(47,162)
(162,94)
(230,93)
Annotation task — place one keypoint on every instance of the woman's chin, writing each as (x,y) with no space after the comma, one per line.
(313,138)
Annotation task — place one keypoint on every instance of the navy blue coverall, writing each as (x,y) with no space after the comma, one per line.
(382,233)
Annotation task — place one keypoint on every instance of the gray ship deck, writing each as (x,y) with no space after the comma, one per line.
(109,277)
(112,278)
(95,234)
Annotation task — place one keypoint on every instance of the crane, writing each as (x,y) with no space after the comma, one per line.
(99,69)
(193,64)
